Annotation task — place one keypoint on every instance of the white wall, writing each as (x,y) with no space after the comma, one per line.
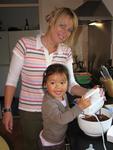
(109,5)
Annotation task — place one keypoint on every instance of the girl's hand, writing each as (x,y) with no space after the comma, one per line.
(83,103)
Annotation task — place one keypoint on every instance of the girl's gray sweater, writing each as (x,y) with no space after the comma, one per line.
(56,118)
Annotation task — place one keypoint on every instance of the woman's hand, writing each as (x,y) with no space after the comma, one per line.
(8,121)
(101,92)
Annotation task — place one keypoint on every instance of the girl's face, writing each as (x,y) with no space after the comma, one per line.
(57,85)
(62,30)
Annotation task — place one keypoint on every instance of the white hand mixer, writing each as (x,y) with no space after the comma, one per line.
(96,101)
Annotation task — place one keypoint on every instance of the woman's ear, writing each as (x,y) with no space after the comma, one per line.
(51,23)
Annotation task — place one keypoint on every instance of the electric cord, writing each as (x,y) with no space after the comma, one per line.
(103,139)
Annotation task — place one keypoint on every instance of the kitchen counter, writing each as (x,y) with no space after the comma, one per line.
(80,141)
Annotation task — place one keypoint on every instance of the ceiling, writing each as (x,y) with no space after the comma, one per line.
(93,9)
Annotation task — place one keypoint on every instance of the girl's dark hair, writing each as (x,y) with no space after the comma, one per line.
(54,68)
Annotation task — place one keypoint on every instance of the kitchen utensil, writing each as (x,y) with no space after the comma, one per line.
(104,72)
(96,101)
(95,129)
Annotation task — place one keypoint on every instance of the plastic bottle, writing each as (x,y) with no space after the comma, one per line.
(90,147)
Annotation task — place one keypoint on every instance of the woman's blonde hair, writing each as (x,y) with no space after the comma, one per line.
(58,12)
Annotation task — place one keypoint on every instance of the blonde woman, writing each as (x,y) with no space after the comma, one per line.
(31,56)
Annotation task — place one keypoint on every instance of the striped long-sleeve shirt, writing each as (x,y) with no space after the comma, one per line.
(30,59)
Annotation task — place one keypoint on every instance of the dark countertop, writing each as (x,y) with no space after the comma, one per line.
(80,141)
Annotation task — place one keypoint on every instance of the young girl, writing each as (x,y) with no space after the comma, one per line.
(56,113)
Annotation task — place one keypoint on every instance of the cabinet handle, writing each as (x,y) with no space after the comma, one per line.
(0,38)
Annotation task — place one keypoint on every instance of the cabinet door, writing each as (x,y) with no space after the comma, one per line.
(4,48)
(14,36)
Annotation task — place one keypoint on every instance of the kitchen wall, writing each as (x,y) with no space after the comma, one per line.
(99,45)
(109,5)
(80,48)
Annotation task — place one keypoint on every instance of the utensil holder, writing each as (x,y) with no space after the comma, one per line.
(108,84)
